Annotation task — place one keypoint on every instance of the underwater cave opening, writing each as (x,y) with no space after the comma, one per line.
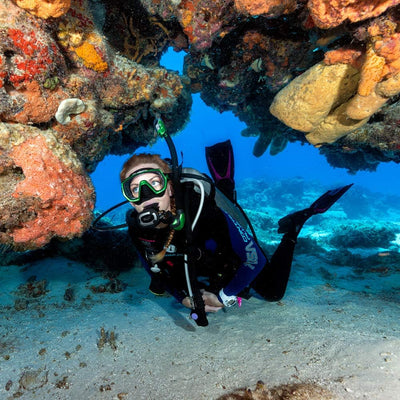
(207,126)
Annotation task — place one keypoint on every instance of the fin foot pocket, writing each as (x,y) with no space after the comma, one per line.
(292,223)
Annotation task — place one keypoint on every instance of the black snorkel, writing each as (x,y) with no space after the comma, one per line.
(197,313)
(179,220)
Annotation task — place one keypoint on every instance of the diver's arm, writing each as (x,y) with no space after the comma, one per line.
(179,295)
(211,302)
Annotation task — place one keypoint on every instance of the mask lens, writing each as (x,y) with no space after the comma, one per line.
(144,184)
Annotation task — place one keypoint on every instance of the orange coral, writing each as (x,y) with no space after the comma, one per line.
(371,72)
(90,57)
(267,7)
(38,108)
(345,56)
(389,49)
(45,8)
(67,198)
(330,13)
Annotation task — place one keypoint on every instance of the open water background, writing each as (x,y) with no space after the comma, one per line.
(207,127)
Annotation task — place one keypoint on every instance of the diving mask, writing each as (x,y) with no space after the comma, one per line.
(144,184)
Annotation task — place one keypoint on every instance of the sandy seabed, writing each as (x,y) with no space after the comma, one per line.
(340,331)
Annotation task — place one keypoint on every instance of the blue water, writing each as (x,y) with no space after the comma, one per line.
(207,126)
(338,323)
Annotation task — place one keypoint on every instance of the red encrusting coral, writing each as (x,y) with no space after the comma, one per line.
(66,197)
(37,59)
(3,72)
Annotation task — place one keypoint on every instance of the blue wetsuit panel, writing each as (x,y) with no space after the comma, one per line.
(252,257)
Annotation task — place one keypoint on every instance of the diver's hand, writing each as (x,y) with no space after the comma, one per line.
(211,302)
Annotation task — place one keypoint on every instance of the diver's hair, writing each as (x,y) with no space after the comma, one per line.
(147,158)
(143,158)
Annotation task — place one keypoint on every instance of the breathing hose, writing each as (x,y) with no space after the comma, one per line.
(198,313)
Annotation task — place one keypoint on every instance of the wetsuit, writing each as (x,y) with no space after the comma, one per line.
(225,255)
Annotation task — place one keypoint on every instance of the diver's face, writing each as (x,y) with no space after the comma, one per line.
(163,202)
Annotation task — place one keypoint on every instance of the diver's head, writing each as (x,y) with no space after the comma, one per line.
(144,182)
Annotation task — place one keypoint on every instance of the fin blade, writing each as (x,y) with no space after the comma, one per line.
(221,164)
(328,199)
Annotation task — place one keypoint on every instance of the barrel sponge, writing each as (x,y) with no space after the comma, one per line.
(389,87)
(360,107)
(305,102)
(334,126)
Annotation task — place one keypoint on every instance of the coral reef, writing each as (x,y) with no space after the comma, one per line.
(376,84)
(295,391)
(45,191)
(45,8)
(202,21)
(66,100)
(83,78)
(146,35)
(363,236)
(328,13)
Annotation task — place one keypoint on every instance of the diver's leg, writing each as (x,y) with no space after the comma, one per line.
(271,282)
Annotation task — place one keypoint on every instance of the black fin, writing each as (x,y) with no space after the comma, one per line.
(220,162)
(328,199)
(292,223)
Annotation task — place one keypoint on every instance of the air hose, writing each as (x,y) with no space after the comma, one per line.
(198,313)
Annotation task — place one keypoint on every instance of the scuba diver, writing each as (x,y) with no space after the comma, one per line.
(194,248)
